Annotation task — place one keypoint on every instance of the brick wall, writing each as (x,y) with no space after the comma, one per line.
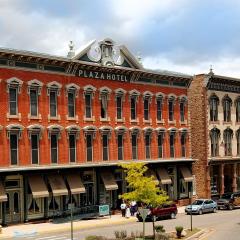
(23,106)
(199,134)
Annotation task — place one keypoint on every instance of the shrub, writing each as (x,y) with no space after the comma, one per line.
(94,237)
(120,234)
(179,228)
(159,229)
(162,236)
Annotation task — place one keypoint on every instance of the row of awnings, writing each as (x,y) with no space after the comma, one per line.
(59,188)
(164,176)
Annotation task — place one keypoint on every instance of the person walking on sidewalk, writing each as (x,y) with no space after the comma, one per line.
(123,208)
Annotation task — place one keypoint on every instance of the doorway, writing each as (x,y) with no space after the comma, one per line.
(13,206)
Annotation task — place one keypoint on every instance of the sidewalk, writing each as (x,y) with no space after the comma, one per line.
(50,227)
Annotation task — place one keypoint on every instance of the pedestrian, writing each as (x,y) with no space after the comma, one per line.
(123,209)
(128,214)
(133,207)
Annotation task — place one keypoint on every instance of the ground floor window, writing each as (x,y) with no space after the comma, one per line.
(35,206)
(215,180)
(54,204)
(75,201)
(183,188)
(87,198)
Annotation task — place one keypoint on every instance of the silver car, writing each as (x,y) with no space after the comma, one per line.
(201,206)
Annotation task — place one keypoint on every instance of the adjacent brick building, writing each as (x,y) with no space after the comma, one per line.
(214,103)
(67,123)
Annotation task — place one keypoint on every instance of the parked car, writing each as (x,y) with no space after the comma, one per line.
(229,201)
(163,211)
(201,206)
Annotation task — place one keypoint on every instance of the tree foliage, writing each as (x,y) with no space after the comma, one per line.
(142,188)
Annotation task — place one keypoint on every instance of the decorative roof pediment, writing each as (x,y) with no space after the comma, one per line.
(108,53)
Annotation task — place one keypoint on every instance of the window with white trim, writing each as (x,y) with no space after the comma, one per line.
(120,146)
(105,147)
(133,97)
(183,136)
(172,136)
(14,148)
(89,147)
(227,103)
(159,101)
(119,107)
(148,146)
(72,148)
(182,106)
(238,110)
(171,102)
(33,102)
(214,101)
(227,135)
(215,135)
(238,142)
(104,97)
(134,146)
(35,148)
(71,104)
(88,96)
(54,147)
(13,101)
(160,144)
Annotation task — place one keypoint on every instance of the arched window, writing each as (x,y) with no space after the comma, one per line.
(227,103)
(237,104)
(227,136)
(214,101)
(215,135)
(238,141)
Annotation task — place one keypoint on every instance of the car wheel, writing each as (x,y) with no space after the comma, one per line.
(214,210)
(230,207)
(200,212)
(173,215)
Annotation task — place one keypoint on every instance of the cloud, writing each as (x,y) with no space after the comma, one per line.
(181,35)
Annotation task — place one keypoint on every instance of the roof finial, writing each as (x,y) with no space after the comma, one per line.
(211,70)
(71,52)
(139,58)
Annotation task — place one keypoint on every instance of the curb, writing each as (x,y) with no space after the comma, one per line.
(77,226)
(201,234)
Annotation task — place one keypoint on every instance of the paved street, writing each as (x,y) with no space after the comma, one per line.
(224,225)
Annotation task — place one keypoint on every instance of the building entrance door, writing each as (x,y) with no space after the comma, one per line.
(13,206)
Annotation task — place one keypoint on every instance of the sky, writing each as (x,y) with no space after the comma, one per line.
(177,35)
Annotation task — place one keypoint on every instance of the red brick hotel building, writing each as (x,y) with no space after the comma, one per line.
(67,123)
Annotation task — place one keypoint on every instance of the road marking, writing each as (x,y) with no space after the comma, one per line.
(42,238)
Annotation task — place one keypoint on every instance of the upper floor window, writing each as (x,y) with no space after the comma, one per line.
(172,136)
(34,90)
(215,136)
(237,103)
(35,134)
(106,134)
(120,132)
(147,97)
(183,139)
(171,102)
(134,94)
(89,133)
(14,133)
(238,141)
(89,95)
(135,131)
(227,103)
(104,97)
(160,141)
(148,133)
(72,93)
(53,91)
(73,132)
(54,134)
(227,135)
(214,101)
(13,88)
(119,99)
(183,102)
(159,102)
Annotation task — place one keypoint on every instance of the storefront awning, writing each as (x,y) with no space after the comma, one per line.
(151,173)
(108,180)
(75,184)
(57,185)
(38,186)
(163,175)
(3,195)
(186,174)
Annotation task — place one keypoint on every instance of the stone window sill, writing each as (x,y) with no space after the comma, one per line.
(227,123)
(172,122)
(57,118)
(183,122)
(134,120)
(214,122)
(122,120)
(38,117)
(72,118)
(160,121)
(92,119)
(147,121)
(105,119)
(18,116)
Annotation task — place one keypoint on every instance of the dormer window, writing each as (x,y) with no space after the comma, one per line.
(147,97)
(72,91)
(104,97)
(34,90)
(89,91)
(14,86)
(53,91)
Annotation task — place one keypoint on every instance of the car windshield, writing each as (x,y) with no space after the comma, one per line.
(197,202)
(226,196)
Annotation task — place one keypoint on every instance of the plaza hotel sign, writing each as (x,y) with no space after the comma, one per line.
(102,75)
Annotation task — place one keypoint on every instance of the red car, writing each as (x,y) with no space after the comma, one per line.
(164,211)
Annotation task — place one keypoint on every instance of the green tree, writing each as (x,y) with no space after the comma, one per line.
(142,188)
